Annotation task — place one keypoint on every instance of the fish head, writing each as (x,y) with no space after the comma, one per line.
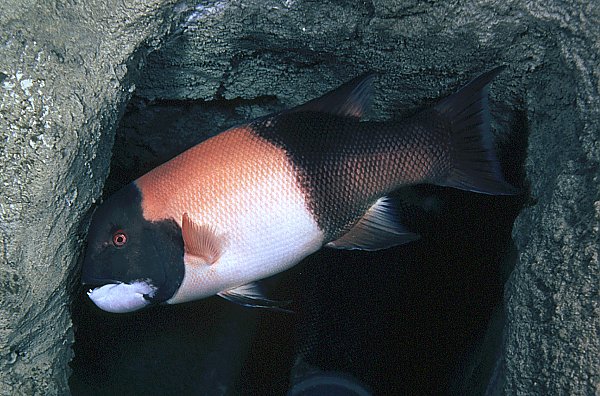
(131,262)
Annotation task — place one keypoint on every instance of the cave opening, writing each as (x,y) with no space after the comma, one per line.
(403,321)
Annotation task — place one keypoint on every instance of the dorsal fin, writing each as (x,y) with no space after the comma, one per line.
(201,240)
(377,229)
(351,99)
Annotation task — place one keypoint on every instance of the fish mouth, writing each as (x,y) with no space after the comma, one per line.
(123,297)
(97,283)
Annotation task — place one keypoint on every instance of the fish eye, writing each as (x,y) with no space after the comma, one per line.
(119,238)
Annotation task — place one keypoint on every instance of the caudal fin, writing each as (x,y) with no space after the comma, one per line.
(475,165)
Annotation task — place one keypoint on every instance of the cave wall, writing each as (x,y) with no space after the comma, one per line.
(67,72)
(552,331)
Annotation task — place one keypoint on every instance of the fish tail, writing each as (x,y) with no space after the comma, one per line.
(475,166)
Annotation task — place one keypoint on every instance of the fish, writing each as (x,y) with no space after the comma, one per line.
(256,199)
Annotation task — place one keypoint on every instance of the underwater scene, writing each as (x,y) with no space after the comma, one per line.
(245,197)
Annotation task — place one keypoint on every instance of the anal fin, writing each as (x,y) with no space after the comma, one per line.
(378,229)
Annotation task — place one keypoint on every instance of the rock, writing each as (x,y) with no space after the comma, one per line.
(552,327)
(66,75)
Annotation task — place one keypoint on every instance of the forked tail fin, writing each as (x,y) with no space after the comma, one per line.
(475,165)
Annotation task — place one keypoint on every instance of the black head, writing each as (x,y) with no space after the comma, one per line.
(124,247)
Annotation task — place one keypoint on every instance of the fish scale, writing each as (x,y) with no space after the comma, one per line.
(344,165)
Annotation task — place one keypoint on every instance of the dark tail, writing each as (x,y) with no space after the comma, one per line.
(475,166)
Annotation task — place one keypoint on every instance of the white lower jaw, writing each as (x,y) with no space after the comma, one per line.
(122,297)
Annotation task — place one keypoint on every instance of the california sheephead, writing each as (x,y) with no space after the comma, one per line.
(256,199)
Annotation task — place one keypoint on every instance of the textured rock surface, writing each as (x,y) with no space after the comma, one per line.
(66,73)
(553,297)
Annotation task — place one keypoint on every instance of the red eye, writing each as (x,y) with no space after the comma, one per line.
(119,239)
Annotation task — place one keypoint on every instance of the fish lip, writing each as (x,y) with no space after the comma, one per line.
(99,281)
(96,283)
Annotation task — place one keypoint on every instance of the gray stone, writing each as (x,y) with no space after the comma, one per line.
(66,74)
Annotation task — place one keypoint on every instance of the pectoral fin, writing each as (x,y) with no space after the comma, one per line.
(377,229)
(250,295)
(201,240)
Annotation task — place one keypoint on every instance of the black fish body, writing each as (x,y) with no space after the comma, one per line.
(345,165)
(256,199)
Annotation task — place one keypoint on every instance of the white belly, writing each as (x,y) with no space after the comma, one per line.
(272,233)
